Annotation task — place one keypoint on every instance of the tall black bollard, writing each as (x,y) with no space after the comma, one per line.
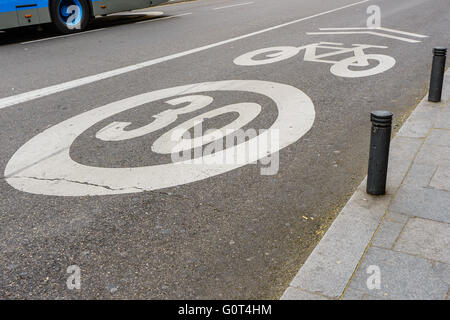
(380,140)
(437,74)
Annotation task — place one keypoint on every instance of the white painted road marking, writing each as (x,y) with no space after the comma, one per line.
(340,68)
(378,34)
(165,18)
(370,31)
(39,93)
(115,131)
(137,13)
(234,5)
(174,142)
(44,166)
(380,28)
(63,36)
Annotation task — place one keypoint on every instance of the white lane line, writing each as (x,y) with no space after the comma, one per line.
(63,36)
(404,32)
(380,28)
(39,93)
(137,13)
(164,18)
(379,34)
(234,5)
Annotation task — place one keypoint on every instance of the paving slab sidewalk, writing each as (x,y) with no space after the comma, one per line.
(401,239)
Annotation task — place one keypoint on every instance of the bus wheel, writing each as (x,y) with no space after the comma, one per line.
(70,16)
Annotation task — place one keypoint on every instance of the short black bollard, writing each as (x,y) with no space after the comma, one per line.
(380,141)
(437,74)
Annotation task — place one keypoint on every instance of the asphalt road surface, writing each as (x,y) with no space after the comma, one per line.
(77,190)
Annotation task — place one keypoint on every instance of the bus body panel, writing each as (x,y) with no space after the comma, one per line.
(13,12)
(114,6)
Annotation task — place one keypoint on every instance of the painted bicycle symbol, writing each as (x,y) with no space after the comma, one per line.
(353,67)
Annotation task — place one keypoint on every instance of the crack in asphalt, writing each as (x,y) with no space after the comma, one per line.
(78,182)
(168,194)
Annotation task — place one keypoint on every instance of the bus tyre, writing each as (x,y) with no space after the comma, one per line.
(70,16)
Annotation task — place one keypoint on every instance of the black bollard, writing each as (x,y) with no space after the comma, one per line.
(437,74)
(380,140)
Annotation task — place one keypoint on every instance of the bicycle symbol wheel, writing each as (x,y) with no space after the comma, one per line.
(342,68)
(271,55)
(44,166)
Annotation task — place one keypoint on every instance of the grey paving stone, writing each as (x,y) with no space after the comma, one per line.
(439,137)
(403,276)
(353,294)
(441,179)
(404,148)
(427,238)
(402,153)
(333,261)
(397,171)
(420,175)
(426,203)
(369,297)
(393,216)
(446,88)
(433,155)
(420,122)
(442,119)
(387,234)
(428,104)
(297,294)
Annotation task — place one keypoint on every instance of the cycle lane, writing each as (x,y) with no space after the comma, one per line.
(210,237)
(122,43)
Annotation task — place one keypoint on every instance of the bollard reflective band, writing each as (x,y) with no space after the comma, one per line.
(440,51)
(381,118)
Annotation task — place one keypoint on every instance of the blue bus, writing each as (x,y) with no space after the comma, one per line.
(67,16)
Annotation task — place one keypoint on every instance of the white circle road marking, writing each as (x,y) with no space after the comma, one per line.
(43,165)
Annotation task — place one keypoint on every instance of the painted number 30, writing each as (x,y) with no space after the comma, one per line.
(44,166)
